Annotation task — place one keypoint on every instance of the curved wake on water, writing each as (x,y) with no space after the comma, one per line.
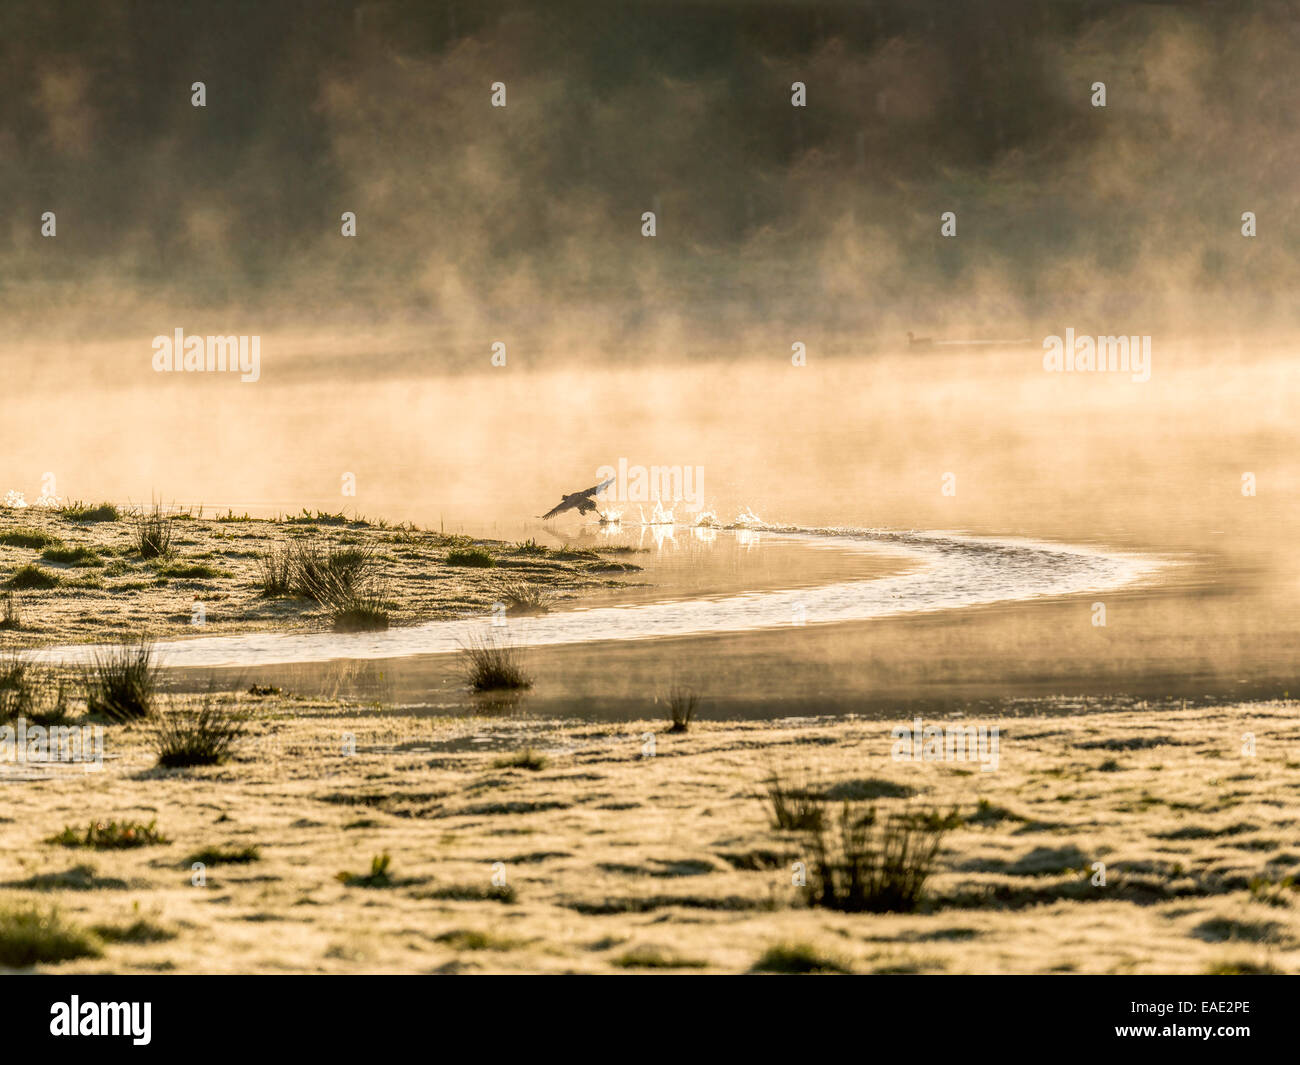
(951,572)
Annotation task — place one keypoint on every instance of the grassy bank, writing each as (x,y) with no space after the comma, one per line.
(90,574)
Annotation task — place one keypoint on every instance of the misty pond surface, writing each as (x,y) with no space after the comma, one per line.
(1082,474)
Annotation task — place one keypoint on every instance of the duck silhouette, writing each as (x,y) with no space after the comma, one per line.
(580,501)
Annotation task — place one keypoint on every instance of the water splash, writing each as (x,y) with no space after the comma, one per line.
(18,501)
(658,516)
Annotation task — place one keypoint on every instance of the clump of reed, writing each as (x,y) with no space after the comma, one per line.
(12,619)
(492,665)
(328,574)
(122,682)
(32,692)
(682,705)
(275,569)
(153,532)
(341,579)
(360,609)
(197,732)
(17,693)
(794,807)
(523,598)
(861,860)
(874,863)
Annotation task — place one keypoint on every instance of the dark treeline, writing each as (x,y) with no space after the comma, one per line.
(914,107)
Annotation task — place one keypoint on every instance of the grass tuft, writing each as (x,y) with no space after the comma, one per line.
(322,517)
(1272,892)
(525,759)
(30,578)
(31,692)
(85,512)
(523,598)
(878,864)
(191,570)
(29,936)
(328,575)
(378,877)
(153,533)
(794,809)
(360,609)
(197,733)
(33,539)
(862,862)
(341,579)
(682,704)
(111,835)
(262,691)
(12,620)
(275,570)
(72,556)
(493,666)
(121,683)
(17,692)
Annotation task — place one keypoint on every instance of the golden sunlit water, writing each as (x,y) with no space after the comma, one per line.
(1153,469)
